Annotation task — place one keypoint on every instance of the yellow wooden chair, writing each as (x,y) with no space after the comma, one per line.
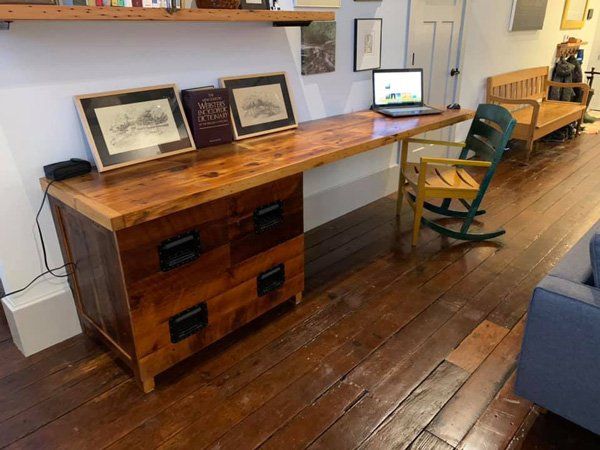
(446,178)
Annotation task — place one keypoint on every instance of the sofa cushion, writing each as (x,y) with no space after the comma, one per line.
(575,265)
(595,258)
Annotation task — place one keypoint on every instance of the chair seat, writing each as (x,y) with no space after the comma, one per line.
(443,178)
(549,112)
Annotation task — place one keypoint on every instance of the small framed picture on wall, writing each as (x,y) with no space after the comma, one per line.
(367,44)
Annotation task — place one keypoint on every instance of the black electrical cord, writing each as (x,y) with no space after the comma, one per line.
(48,271)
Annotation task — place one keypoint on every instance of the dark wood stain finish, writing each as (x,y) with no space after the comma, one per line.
(361,361)
(125,299)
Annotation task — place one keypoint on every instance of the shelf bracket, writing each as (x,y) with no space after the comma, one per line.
(4,25)
(292,23)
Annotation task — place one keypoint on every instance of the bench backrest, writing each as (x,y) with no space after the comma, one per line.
(521,84)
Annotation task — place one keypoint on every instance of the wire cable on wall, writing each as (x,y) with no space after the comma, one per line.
(48,271)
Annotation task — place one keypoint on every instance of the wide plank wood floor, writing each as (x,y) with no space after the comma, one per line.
(393,347)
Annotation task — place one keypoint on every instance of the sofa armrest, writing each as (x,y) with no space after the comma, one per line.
(587,296)
(559,366)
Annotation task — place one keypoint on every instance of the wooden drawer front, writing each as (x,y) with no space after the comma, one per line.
(159,298)
(265,216)
(139,245)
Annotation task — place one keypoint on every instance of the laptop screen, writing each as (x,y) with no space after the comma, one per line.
(398,87)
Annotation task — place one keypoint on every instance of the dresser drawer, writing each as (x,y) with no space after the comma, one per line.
(187,238)
(231,296)
(265,216)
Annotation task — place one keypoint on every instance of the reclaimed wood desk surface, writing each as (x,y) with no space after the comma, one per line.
(139,193)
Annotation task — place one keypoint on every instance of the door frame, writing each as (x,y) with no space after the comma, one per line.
(410,37)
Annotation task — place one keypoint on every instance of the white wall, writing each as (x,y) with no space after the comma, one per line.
(491,49)
(43,65)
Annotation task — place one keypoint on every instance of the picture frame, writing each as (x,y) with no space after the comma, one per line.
(255,4)
(574,14)
(368,36)
(528,15)
(131,126)
(318,3)
(318,47)
(260,104)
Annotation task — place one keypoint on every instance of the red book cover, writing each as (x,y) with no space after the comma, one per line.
(207,111)
(137,3)
(99,3)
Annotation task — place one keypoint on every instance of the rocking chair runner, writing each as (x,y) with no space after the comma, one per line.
(445,178)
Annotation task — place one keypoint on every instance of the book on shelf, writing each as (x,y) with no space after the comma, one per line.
(207,111)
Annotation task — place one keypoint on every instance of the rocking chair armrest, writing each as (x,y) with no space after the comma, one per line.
(455,162)
(434,142)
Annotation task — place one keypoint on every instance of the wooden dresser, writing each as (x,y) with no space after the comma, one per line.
(173,254)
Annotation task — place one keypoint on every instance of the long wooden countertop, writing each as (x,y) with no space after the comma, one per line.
(146,191)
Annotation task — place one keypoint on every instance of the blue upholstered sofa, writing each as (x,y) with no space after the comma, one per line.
(559,366)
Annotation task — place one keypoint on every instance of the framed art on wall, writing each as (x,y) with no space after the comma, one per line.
(319,3)
(318,48)
(367,44)
(134,125)
(528,15)
(260,104)
(574,14)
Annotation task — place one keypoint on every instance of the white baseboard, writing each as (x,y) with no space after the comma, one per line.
(329,204)
(40,322)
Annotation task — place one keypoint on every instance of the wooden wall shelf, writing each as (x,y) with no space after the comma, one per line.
(10,13)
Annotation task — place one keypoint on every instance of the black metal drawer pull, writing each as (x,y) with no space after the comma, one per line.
(271,280)
(179,250)
(268,216)
(188,322)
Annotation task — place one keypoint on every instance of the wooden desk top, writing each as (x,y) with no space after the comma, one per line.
(139,193)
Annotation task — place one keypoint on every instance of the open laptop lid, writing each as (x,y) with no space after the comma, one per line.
(398,87)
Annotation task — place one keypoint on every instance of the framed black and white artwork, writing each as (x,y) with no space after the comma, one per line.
(134,125)
(367,44)
(260,104)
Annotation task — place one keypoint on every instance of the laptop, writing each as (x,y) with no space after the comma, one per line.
(399,93)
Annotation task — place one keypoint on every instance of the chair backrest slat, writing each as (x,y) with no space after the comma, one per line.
(490,131)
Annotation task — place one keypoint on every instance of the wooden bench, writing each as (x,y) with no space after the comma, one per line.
(525,94)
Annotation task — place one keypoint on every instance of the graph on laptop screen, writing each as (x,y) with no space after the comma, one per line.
(398,88)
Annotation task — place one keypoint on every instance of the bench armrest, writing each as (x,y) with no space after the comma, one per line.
(583,86)
(519,101)
(514,101)
(434,142)
(455,162)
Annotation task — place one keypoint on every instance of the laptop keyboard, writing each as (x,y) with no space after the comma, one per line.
(407,110)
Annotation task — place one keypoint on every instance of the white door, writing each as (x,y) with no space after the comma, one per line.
(434,44)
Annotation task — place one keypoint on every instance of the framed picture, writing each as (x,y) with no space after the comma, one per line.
(319,3)
(260,104)
(318,48)
(528,15)
(367,44)
(255,4)
(134,125)
(574,14)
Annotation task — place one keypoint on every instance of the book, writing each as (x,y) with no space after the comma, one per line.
(207,110)
(137,3)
